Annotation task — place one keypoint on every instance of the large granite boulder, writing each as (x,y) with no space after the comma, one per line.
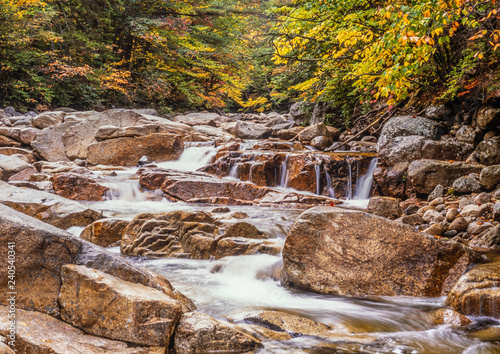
(402,149)
(104,232)
(425,175)
(344,252)
(249,130)
(477,293)
(309,133)
(78,187)
(41,252)
(404,126)
(106,306)
(10,165)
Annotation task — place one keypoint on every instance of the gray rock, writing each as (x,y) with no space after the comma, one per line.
(201,118)
(482,198)
(467,185)
(446,150)
(404,126)
(487,116)
(488,238)
(432,216)
(297,112)
(10,165)
(439,112)
(490,176)
(321,142)
(11,111)
(309,133)
(496,211)
(488,152)
(384,206)
(477,227)
(466,134)
(438,192)
(22,122)
(248,130)
(402,149)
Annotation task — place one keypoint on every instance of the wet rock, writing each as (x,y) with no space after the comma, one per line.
(77,187)
(10,165)
(488,238)
(309,133)
(425,175)
(40,333)
(450,317)
(459,225)
(42,250)
(488,152)
(467,185)
(490,177)
(221,210)
(104,232)
(402,149)
(248,130)
(47,119)
(246,230)
(86,294)
(323,253)
(405,126)
(171,234)
(238,246)
(49,208)
(384,206)
(392,181)
(477,293)
(200,118)
(288,134)
(200,333)
(487,117)
(466,134)
(238,215)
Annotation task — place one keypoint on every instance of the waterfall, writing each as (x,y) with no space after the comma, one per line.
(329,185)
(284,173)
(365,182)
(349,178)
(193,158)
(318,178)
(233,172)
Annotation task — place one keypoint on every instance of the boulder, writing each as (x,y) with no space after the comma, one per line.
(10,165)
(215,133)
(42,250)
(405,126)
(446,150)
(238,246)
(297,112)
(200,118)
(437,113)
(392,181)
(321,142)
(37,332)
(345,252)
(128,151)
(488,152)
(467,185)
(111,132)
(402,149)
(49,208)
(466,134)
(200,333)
(425,175)
(287,134)
(438,192)
(78,187)
(106,306)
(477,293)
(490,177)
(5,141)
(487,117)
(47,119)
(385,207)
(309,133)
(104,232)
(244,229)
(488,238)
(248,130)
(27,154)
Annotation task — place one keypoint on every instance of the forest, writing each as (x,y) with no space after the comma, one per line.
(247,55)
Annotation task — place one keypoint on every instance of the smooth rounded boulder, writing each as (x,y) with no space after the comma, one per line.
(344,252)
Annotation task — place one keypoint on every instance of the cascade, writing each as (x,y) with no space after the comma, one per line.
(349,178)
(364,183)
(192,158)
(329,185)
(284,173)
(317,170)
(233,172)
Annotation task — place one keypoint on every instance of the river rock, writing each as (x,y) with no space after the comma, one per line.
(392,181)
(288,134)
(488,238)
(432,216)
(438,192)
(111,132)
(467,185)
(198,119)
(466,134)
(244,229)
(49,208)
(446,150)
(425,175)
(5,141)
(9,151)
(324,253)
(248,130)
(238,246)
(47,119)
(450,317)
(402,149)
(104,232)
(42,250)
(487,117)
(405,126)
(215,133)
(490,176)
(125,311)
(488,152)
(77,187)
(37,332)
(200,333)
(477,293)
(321,142)
(10,165)
(309,133)
(385,207)
(475,211)
(128,151)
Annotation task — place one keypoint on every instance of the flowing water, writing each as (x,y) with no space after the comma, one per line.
(234,287)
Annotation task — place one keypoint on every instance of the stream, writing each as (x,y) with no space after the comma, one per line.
(233,287)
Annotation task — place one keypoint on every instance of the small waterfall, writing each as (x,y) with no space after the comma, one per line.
(233,172)
(349,178)
(317,169)
(364,185)
(329,185)
(130,191)
(284,173)
(193,158)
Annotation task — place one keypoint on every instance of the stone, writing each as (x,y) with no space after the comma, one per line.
(47,119)
(248,130)
(192,119)
(482,198)
(437,201)
(27,135)
(9,151)
(446,150)
(238,246)
(10,165)
(42,250)
(325,253)
(297,112)
(37,332)
(475,211)
(402,149)
(10,111)
(487,117)
(385,207)
(432,216)
(221,210)
(128,151)
(405,126)
(425,175)
(466,185)
(488,238)
(451,214)
(200,333)
(450,317)
(171,234)
(488,152)
(466,134)
(393,180)
(321,142)
(477,293)
(104,232)
(215,133)
(496,211)
(464,201)
(477,227)
(77,187)
(126,311)
(244,229)
(459,225)
(437,229)
(309,133)
(490,177)
(112,132)
(412,220)
(288,134)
